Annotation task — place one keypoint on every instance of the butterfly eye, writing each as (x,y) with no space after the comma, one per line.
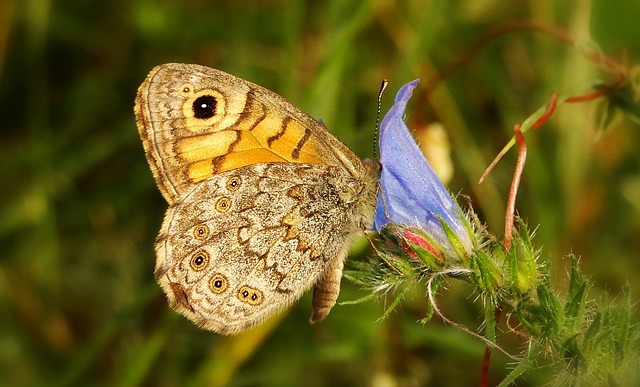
(201,232)
(204,107)
(223,204)
(199,260)
(218,283)
(250,295)
(234,183)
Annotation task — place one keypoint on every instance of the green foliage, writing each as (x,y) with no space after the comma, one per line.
(581,340)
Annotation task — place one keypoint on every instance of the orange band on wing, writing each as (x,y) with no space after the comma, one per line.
(288,139)
(271,139)
(206,168)
(207,146)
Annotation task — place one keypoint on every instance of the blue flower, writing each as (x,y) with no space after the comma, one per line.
(410,192)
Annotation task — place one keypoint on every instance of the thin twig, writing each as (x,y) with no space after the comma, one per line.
(515,183)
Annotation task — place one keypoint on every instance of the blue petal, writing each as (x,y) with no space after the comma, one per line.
(411,193)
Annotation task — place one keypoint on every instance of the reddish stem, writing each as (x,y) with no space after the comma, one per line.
(486,359)
(510,216)
(484,372)
(598,93)
(515,183)
(548,113)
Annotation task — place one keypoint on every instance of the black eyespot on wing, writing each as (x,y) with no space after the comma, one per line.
(249,295)
(223,204)
(204,107)
(218,283)
(199,260)
(201,232)
(234,183)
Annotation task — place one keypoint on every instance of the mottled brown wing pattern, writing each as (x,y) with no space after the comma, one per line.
(264,232)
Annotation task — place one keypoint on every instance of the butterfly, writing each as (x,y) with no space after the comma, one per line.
(263,200)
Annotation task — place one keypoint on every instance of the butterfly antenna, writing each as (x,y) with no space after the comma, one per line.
(383,86)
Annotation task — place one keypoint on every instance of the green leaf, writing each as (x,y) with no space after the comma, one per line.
(576,295)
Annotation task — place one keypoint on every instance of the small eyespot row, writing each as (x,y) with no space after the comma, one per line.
(199,260)
(234,183)
(201,232)
(218,283)
(223,204)
(250,295)
(186,88)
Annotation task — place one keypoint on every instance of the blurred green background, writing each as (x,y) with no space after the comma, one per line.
(79,210)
